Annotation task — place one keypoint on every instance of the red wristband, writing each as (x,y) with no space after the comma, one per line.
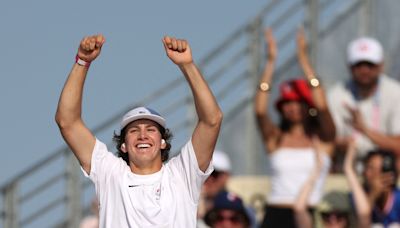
(81,62)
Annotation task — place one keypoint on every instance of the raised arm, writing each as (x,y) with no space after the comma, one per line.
(363,208)
(269,131)
(328,130)
(302,216)
(68,115)
(209,114)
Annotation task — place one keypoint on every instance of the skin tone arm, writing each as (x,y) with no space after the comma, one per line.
(328,131)
(268,130)
(210,115)
(363,208)
(383,141)
(302,216)
(69,110)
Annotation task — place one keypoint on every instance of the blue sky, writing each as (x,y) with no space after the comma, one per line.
(38,45)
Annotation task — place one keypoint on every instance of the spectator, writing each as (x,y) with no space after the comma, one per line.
(142,188)
(380,175)
(304,115)
(216,183)
(359,197)
(218,179)
(362,107)
(335,207)
(335,210)
(228,212)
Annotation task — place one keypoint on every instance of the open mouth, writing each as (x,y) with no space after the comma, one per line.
(143,145)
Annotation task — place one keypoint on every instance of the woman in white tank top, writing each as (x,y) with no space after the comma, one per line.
(304,115)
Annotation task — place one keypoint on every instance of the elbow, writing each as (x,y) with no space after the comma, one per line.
(217,118)
(63,122)
(213,120)
(59,119)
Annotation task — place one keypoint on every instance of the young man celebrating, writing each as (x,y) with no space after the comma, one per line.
(139,189)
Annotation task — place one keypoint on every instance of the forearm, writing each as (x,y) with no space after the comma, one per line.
(70,103)
(327,126)
(302,216)
(318,92)
(362,204)
(383,141)
(261,97)
(206,105)
(261,100)
(206,132)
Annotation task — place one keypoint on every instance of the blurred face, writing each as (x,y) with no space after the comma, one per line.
(215,183)
(143,145)
(293,111)
(365,74)
(229,219)
(373,168)
(334,219)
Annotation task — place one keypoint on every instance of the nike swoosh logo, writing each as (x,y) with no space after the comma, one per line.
(133,185)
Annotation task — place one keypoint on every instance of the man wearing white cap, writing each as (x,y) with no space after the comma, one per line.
(141,189)
(365,107)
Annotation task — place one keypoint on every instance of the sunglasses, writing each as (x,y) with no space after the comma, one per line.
(326,216)
(235,219)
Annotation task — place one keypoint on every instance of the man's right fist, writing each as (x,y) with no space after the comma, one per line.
(90,47)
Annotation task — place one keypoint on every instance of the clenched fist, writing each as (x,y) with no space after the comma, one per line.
(178,50)
(90,47)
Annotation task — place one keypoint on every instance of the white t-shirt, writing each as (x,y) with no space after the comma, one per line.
(290,169)
(167,198)
(380,111)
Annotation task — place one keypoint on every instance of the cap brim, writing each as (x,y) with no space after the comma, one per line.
(151,117)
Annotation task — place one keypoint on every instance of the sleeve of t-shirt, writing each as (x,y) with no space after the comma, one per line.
(103,164)
(185,165)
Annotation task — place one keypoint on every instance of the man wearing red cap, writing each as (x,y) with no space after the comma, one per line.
(140,189)
(365,107)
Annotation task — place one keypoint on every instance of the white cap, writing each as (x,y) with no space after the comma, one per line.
(142,113)
(364,49)
(221,161)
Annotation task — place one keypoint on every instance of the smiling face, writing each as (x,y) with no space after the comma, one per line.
(143,145)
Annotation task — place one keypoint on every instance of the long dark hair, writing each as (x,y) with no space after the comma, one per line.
(165,134)
(310,120)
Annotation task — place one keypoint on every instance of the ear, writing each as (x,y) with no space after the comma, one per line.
(163,144)
(123,148)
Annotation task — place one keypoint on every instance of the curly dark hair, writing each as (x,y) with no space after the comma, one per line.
(165,134)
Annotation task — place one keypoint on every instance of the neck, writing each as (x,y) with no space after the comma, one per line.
(143,169)
(297,129)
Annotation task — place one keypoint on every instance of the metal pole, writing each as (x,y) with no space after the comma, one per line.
(365,18)
(10,206)
(74,188)
(255,48)
(313,12)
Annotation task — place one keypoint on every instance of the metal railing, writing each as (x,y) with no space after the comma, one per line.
(232,68)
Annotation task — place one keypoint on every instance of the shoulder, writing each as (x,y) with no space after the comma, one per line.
(389,83)
(338,88)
